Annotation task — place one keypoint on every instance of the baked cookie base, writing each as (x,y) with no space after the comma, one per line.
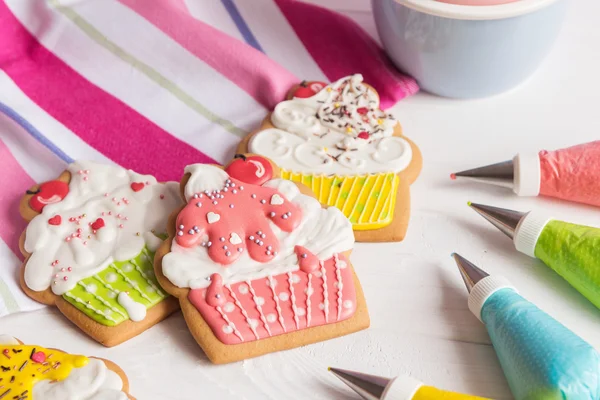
(108,336)
(220,353)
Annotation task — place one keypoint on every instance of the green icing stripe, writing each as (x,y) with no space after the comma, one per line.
(8,298)
(573,251)
(96,296)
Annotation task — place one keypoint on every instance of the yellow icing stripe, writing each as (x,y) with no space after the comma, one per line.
(368,201)
(22,366)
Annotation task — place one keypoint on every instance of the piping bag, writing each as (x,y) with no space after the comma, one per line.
(540,357)
(571,174)
(371,387)
(572,251)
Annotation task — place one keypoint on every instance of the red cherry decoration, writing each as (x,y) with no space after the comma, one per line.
(56,220)
(308,89)
(97,224)
(38,357)
(362,110)
(48,193)
(137,186)
(364,135)
(255,170)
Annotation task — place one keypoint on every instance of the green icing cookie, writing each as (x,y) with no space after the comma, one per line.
(96,296)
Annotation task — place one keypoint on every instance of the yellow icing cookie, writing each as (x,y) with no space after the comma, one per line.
(22,366)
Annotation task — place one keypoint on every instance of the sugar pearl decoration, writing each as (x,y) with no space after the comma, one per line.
(222,239)
(272,214)
(263,201)
(253,196)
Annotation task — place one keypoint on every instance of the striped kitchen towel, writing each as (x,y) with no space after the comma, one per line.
(154,86)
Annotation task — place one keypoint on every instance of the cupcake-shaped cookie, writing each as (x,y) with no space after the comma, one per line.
(258,265)
(336,140)
(90,245)
(38,373)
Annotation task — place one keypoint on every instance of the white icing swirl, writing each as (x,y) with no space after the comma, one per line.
(322,231)
(340,130)
(95,191)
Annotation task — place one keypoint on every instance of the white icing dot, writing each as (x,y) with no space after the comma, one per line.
(107,312)
(243,289)
(253,322)
(91,288)
(259,300)
(229,307)
(347,304)
(321,306)
(339,285)
(283,296)
(342,264)
(271,283)
(271,318)
(295,278)
(301,311)
(127,267)
(111,277)
(317,274)
(150,289)
(309,291)
(227,329)
(112,295)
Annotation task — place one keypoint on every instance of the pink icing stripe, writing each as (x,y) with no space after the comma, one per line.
(572,174)
(259,76)
(342,48)
(247,305)
(100,119)
(14,181)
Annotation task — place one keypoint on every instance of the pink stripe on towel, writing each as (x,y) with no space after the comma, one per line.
(101,120)
(14,181)
(255,73)
(340,48)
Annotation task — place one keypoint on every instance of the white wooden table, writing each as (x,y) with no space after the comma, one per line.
(420,321)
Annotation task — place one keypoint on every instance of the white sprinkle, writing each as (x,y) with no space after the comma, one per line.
(231,206)
(240,249)
(195,195)
(241,188)
(272,214)
(228,253)
(181,226)
(263,201)
(222,239)
(180,233)
(234,191)
(263,236)
(253,196)
(198,204)
(269,247)
(251,237)
(191,232)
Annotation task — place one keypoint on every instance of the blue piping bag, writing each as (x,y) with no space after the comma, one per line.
(540,357)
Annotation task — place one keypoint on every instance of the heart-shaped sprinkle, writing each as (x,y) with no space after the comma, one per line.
(212,217)
(38,357)
(56,220)
(363,135)
(276,200)
(137,186)
(97,224)
(234,238)
(362,110)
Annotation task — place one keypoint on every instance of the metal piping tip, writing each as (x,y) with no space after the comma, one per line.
(369,387)
(470,273)
(500,174)
(505,220)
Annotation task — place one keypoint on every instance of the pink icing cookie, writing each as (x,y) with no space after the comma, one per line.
(258,266)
